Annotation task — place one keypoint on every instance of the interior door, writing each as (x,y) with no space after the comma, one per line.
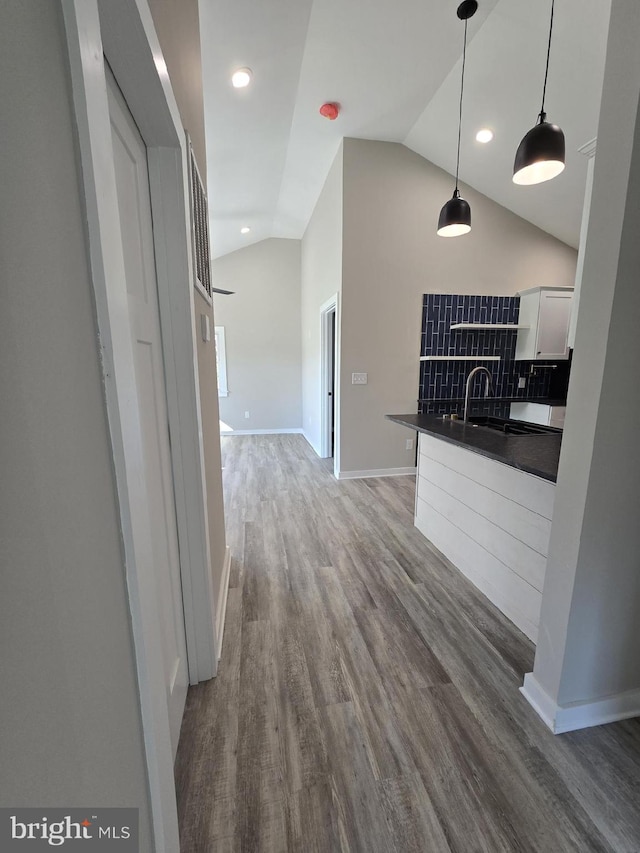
(132,180)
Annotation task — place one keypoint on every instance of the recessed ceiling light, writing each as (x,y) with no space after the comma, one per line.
(245,230)
(241,78)
(484,135)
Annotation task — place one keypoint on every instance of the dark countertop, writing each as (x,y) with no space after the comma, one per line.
(535,454)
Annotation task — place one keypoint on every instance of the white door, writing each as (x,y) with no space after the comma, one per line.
(553,324)
(132,179)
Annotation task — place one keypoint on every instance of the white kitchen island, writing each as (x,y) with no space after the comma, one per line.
(491,521)
(485,501)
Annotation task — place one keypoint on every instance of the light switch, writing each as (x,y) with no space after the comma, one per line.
(205,327)
(359,378)
(522,382)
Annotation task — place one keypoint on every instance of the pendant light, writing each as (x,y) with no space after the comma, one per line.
(455,216)
(540,155)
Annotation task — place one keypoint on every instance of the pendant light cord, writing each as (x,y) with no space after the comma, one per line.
(464,60)
(543,115)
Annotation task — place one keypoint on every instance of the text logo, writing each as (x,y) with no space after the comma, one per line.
(103,830)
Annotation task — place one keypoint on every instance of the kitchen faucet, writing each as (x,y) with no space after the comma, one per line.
(488,389)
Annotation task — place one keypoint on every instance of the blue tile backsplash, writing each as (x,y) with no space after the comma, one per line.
(445,380)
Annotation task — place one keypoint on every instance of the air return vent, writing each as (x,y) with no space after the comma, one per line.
(200,225)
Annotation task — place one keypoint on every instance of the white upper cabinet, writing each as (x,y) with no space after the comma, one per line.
(546,312)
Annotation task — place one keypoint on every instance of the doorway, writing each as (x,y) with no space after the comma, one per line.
(136,226)
(329,381)
(123,33)
(332,377)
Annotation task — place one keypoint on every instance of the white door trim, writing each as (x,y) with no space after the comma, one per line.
(123,31)
(170,205)
(326,309)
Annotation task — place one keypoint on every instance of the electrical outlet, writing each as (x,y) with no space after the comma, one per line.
(359,378)
(522,382)
(408,445)
(246,414)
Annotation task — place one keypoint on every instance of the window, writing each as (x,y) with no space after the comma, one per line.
(221,362)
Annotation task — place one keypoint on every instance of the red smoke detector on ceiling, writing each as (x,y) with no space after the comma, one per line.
(330,111)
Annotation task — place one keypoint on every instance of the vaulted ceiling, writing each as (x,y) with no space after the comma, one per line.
(394,67)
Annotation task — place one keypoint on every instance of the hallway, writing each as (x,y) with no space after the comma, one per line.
(367,697)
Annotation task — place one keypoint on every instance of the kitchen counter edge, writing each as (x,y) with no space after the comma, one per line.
(533,454)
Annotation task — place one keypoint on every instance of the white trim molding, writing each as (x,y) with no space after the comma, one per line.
(167,173)
(221,610)
(376,472)
(579,715)
(287,431)
(332,305)
(221,360)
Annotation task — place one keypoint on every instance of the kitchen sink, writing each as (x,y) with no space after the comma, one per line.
(511,427)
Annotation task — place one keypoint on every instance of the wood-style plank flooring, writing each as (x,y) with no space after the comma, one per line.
(367,697)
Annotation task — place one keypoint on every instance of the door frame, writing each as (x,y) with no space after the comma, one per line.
(123,32)
(326,309)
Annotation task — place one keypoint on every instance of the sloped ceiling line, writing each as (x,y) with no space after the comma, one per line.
(394,67)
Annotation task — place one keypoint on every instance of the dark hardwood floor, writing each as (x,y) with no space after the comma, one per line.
(367,697)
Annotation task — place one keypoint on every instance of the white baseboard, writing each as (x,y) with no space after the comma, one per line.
(310,443)
(579,715)
(222,603)
(295,430)
(375,472)
(539,700)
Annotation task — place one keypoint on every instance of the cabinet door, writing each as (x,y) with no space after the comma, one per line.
(553,324)
(526,342)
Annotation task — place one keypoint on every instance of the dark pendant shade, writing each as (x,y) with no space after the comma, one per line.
(540,155)
(467,9)
(455,217)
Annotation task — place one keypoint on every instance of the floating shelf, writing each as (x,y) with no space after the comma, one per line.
(459,358)
(488,326)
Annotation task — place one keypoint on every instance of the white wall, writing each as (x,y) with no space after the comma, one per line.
(392,255)
(321,278)
(70,726)
(588,648)
(178,27)
(262,332)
